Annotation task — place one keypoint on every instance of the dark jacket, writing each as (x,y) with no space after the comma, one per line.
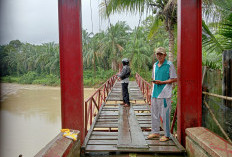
(125,73)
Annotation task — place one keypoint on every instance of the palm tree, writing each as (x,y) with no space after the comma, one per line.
(221,38)
(138,51)
(164,11)
(113,43)
(92,54)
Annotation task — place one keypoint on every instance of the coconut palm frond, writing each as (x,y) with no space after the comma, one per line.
(208,39)
(155,26)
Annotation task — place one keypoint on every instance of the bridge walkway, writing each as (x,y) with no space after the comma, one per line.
(125,129)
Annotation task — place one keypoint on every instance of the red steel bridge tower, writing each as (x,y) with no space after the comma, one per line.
(189,65)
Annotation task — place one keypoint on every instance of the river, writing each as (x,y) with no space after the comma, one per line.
(30,117)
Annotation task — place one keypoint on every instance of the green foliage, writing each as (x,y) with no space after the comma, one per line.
(101,77)
(9,79)
(217,32)
(146,75)
(174,105)
(103,52)
(47,80)
(164,13)
(32,78)
(213,60)
(28,78)
(28,62)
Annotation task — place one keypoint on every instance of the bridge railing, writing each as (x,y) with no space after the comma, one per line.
(145,87)
(94,102)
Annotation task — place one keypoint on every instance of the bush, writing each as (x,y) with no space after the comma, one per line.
(28,78)
(51,80)
(9,79)
(101,76)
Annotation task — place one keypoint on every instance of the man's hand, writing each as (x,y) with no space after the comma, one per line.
(158,82)
(165,82)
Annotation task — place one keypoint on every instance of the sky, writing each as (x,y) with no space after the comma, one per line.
(36,21)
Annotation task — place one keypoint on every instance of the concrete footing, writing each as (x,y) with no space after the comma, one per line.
(61,147)
(200,142)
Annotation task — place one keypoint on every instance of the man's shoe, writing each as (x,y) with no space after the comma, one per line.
(153,136)
(164,139)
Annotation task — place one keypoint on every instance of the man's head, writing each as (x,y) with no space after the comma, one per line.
(125,61)
(160,54)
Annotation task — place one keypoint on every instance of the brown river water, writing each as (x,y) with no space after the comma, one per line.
(30,117)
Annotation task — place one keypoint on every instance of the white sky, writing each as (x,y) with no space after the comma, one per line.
(36,21)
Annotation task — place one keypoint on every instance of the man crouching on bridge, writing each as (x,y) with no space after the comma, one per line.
(124,77)
(163,75)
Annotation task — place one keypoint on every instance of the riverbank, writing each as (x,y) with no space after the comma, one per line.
(90,79)
(13,88)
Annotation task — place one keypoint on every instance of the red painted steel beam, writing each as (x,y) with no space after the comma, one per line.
(71,66)
(189,65)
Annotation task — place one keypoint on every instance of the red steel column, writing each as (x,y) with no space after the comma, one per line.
(71,66)
(189,66)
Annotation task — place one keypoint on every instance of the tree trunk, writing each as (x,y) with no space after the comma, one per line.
(114,65)
(94,65)
(171,44)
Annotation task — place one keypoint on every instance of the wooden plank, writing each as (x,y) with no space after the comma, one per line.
(113,148)
(101,148)
(156,142)
(107,120)
(145,122)
(108,117)
(145,125)
(107,123)
(180,147)
(136,132)
(105,133)
(109,114)
(164,149)
(98,137)
(106,126)
(110,109)
(146,133)
(135,106)
(83,147)
(143,114)
(141,118)
(141,109)
(102,142)
(138,104)
(124,137)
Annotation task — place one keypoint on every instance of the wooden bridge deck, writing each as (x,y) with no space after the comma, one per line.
(124,129)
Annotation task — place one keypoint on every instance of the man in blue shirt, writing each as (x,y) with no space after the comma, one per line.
(163,75)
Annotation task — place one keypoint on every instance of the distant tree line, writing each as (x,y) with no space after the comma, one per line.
(104,51)
(19,58)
